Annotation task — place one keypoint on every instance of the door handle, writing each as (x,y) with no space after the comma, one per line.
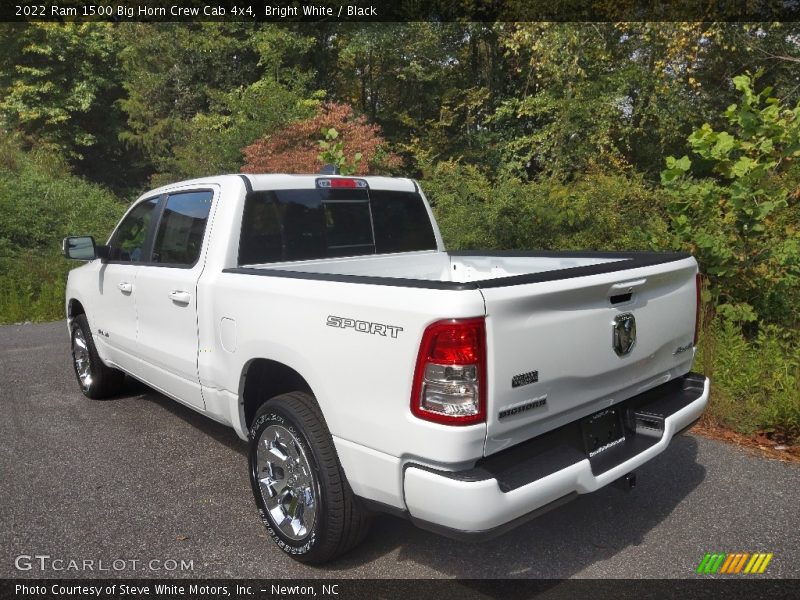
(626,286)
(180,297)
(125,287)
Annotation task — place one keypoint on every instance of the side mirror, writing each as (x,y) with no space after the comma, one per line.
(79,248)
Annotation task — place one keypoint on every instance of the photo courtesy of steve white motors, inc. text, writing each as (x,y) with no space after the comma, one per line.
(173,589)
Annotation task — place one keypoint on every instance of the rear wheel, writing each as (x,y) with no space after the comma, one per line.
(299,487)
(95,378)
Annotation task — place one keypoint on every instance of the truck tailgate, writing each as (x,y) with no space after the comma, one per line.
(552,356)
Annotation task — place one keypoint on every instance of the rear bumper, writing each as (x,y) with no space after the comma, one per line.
(504,490)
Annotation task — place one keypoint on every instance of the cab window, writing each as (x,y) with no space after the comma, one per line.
(182,227)
(128,242)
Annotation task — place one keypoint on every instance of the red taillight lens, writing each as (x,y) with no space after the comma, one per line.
(698,287)
(450,376)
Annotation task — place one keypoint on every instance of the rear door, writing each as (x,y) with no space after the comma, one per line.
(166,299)
(564,349)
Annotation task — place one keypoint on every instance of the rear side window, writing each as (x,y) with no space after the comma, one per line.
(284,225)
(181,229)
(128,242)
(401,221)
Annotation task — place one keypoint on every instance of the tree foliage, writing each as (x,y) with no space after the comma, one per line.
(597,211)
(743,221)
(525,135)
(41,203)
(296,149)
(60,86)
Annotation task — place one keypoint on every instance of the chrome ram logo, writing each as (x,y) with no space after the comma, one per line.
(624,333)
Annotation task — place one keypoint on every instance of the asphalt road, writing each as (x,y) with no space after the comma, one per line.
(141,478)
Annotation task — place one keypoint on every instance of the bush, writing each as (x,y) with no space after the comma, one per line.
(596,212)
(755,384)
(742,222)
(41,203)
(296,149)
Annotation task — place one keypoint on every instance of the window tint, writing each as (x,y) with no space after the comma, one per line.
(128,241)
(180,232)
(306,224)
(348,225)
(401,222)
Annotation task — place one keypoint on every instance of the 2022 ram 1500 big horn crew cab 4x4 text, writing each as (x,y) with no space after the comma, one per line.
(321,317)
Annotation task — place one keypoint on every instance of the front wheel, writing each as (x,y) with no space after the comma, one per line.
(299,487)
(96,379)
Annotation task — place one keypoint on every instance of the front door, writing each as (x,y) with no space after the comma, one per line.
(113,318)
(166,297)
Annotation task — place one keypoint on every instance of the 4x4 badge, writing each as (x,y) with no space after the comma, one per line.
(624,333)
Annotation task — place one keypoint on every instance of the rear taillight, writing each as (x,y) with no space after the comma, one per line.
(450,376)
(698,284)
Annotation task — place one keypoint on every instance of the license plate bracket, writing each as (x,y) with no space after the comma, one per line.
(602,430)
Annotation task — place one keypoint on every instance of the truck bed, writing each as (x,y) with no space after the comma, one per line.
(549,318)
(465,269)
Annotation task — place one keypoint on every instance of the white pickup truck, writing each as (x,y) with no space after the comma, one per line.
(321,317)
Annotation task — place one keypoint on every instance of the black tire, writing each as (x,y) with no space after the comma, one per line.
(340,521)
(102,381)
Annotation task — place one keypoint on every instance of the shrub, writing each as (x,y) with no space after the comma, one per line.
(296,148)
(755,383)
(41,203)
(742,221)
(595,212)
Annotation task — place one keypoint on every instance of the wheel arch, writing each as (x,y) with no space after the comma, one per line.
(74,308)
(264,378)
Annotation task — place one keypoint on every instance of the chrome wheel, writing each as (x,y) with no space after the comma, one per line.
(80,354)
(286,481)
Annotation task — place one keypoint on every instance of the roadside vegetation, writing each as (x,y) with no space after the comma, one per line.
(656,136)
(41,202)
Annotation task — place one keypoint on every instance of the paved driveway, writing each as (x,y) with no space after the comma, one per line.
(141,478)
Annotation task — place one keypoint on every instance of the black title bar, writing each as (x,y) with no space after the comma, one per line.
(288,11)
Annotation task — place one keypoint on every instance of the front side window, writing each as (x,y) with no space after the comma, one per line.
(128,242)
(182,227)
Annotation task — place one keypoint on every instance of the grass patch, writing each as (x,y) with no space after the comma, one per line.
(32,287)
(755,384)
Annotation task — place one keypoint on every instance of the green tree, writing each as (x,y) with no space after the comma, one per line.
(171,73)
(743,221)
(213,140)
(618,96)
(597,211)
(197,94)
(430,86)
(60,83)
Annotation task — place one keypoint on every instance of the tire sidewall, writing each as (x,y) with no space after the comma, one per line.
(87,336)
(274,415)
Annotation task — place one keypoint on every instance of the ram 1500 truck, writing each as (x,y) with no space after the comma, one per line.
(321,317)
